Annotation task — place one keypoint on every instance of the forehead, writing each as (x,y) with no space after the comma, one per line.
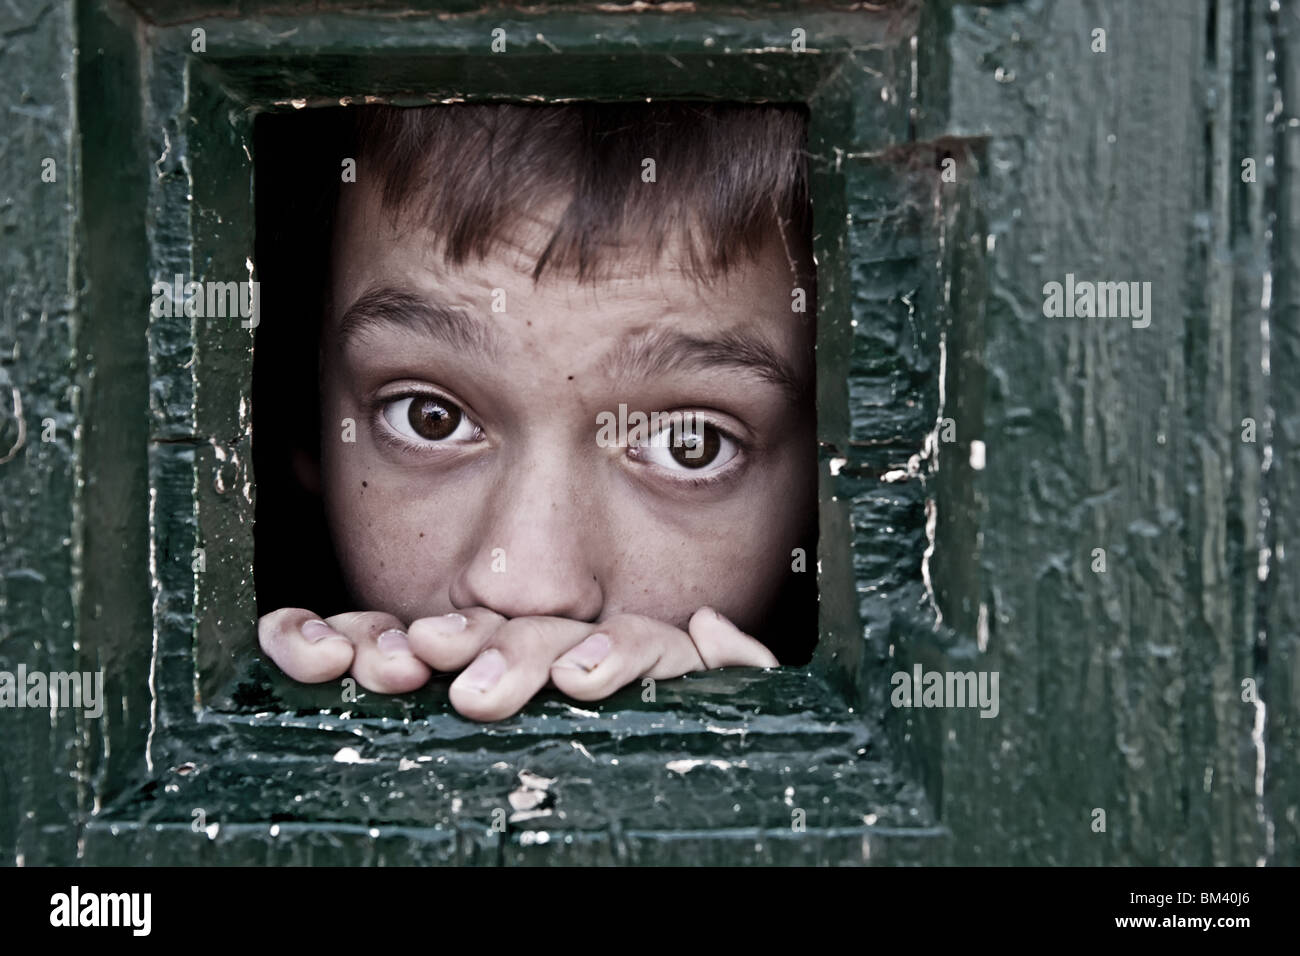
(635,294)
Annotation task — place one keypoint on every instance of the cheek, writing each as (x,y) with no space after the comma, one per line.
(734,556)
(672,576)
(395,548)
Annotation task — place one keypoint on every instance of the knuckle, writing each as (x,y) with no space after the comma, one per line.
(366,625)
(521,630)
(274,628)
(480,617)
(622,625)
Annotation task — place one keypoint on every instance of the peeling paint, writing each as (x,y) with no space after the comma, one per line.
(350,755)
(22,427)
(685,766)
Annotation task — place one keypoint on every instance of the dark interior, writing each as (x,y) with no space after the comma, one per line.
(298,164)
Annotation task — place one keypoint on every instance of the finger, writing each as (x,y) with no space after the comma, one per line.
(622,649)
(722,644)
(514,666)
(450,642)
(383,662)
(303,646)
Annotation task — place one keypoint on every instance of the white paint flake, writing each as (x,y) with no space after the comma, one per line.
(350,755)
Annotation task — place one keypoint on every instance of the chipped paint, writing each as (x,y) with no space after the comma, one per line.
(685,766)
(350,755)
(21,425)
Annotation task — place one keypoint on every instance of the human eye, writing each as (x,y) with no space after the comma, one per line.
(425,419)
(689,447)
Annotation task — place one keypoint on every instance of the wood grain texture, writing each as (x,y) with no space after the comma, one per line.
(1123,690)
(40,800)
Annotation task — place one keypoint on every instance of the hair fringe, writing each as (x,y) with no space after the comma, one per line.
(729,178)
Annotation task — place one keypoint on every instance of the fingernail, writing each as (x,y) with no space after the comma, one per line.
(710,626)
(393,642)
(447,624)
(317,630)
(715,618)
(587,654)
(483,674)
(717,638)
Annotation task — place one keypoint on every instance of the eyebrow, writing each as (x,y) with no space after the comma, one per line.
(386,308)
(646,354)
(656,352)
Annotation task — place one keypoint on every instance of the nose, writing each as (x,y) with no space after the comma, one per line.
(535,555)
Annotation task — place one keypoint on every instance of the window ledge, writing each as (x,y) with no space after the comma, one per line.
(764,762)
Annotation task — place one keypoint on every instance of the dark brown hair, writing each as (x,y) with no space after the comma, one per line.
(728,178)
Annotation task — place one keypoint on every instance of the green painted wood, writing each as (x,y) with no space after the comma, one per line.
(117,614)
(1122,690)
(718,767)
(1278,607)
(164,12)
(39,523)
(729,757)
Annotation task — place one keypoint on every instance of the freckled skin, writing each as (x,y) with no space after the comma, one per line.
(586,534)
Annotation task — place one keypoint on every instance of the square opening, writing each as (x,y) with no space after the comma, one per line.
(745,357)
(729,747)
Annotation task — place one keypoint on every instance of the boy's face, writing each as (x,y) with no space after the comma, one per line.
(476,477)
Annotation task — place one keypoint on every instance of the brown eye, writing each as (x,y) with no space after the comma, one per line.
(433,419)
(428,420)
(691,449)
(696,448)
